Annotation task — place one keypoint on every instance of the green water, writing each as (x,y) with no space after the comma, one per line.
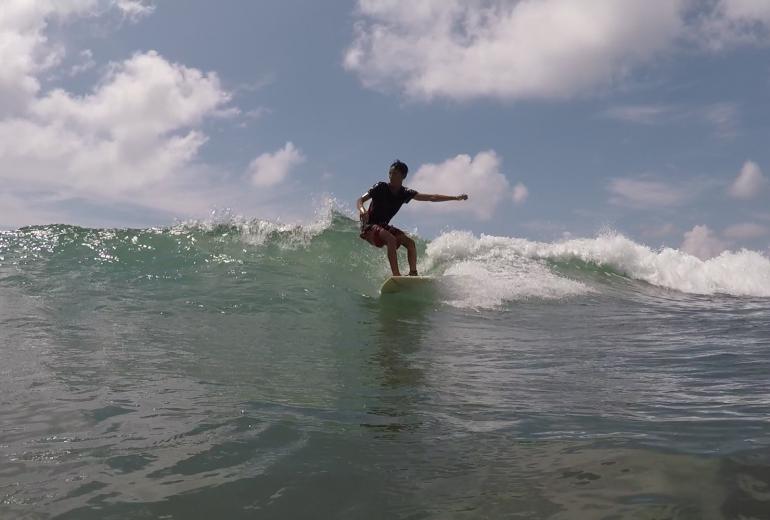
(251,370)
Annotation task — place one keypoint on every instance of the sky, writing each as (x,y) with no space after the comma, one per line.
(559,118)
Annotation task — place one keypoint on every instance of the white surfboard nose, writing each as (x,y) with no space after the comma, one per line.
(403,283)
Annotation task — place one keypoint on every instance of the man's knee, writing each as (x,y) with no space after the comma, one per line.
(389,239)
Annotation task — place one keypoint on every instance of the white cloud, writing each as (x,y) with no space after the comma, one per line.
(752,10)
(520,193)
(640,114)
(722,117)
(514,49)
(133,131)
(131,140)
(25,50)
(749,183)
(507,48)
(135,8)
(257,113)
(479,177)
(745,231)
(248,117)
(255,85)
(144,96)
(270,169)
(131,143)
(734,22)
(646,193)
(86,63)
(702,242)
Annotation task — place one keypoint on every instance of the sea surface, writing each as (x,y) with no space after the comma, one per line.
(250,369)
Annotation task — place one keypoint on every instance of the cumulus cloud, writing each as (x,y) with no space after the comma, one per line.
(520,193)
(507,48)
(543,49)
(270,169)
(749,183)
(132,140)
(705,243)
(702,242)
(132,131)
(646,193)
(131,143)
(477,176)
(25,50)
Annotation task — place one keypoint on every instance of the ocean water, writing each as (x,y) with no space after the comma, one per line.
(248,369)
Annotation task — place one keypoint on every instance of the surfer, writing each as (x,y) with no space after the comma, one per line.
(387,198)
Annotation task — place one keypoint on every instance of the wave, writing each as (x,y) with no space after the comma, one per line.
(475,271)
(741,273)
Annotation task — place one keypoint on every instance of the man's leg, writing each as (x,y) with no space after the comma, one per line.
(411,252)
(391,242)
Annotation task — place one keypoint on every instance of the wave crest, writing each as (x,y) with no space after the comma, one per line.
(740,273)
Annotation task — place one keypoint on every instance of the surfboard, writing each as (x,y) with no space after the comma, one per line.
(396,284)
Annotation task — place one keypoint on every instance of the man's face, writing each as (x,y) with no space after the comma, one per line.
(395,176)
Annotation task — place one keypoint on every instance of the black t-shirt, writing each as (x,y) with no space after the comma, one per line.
(385,204)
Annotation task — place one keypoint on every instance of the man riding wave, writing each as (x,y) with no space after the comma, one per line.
(387,198)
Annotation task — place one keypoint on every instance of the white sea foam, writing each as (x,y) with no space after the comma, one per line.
(739,273)
(257,232)
(292,235)
(488,270)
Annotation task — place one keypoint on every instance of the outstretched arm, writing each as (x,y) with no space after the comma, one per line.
(439,198)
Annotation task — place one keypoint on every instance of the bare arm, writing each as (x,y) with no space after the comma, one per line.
(439,198)
(363,215)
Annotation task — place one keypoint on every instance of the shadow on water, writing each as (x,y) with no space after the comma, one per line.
(403,322)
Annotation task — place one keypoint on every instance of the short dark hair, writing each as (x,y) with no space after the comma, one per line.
(400,167)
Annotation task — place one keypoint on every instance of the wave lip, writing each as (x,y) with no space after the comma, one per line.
(487,271)
(741,273)
(506,261)
(476,271)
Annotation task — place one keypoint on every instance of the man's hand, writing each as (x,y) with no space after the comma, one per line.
(364,218)
(462,197)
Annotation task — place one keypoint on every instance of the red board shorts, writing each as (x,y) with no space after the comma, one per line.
(372,233)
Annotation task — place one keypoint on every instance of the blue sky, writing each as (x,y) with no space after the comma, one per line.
(559,118)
